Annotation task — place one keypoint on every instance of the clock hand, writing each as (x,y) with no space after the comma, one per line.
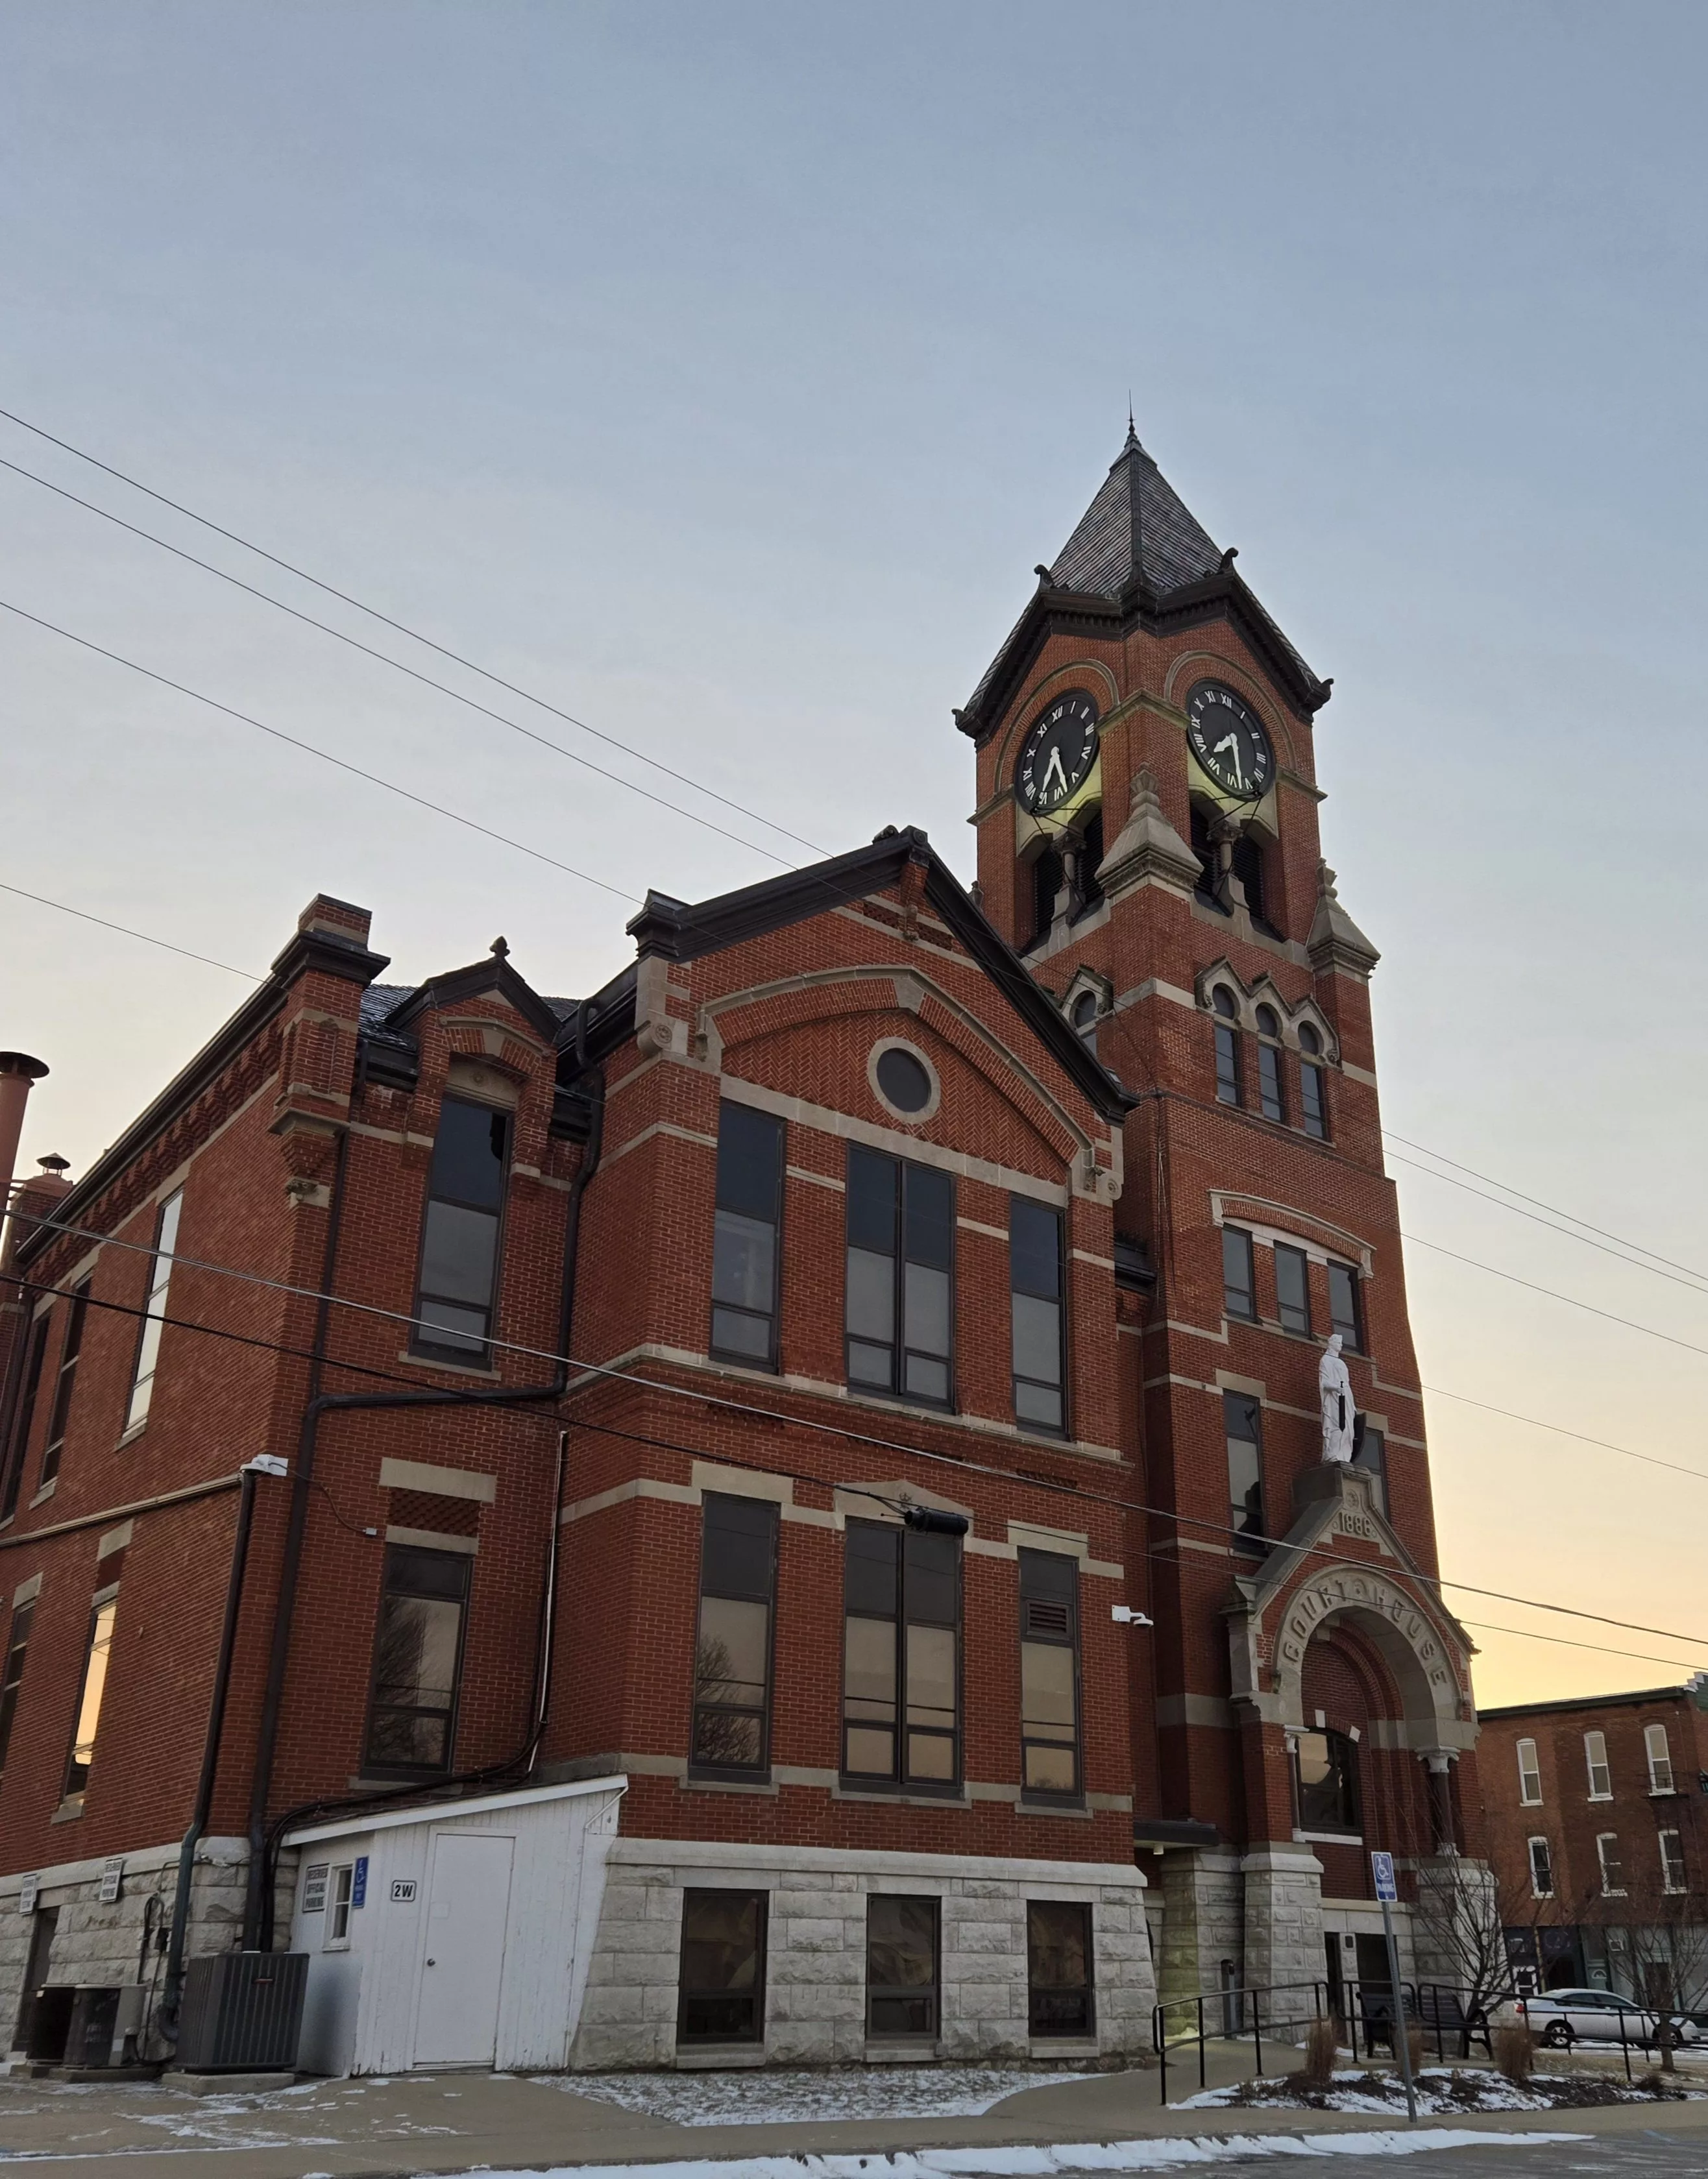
(1231,742)
(1054,766)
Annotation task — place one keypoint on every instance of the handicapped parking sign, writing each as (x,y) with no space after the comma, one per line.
(1381,1869)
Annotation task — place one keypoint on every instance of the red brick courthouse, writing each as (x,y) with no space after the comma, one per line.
(803,1531)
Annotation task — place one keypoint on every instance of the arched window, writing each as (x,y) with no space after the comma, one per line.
(1084,1019)
(1247,868)
(1047,876)
(1226,1045)
(1086,863)
(1269,1092)
(1205,848)
(1312,1090)
(1325,1770)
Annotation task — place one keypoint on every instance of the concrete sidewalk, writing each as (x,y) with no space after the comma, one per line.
(455,2123)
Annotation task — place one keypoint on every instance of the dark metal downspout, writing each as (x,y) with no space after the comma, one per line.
(264,1838)
(210,1760)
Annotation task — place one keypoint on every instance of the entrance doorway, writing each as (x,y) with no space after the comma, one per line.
(41,1933)
(463,1970)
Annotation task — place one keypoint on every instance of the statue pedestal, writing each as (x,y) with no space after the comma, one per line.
(1331,1479)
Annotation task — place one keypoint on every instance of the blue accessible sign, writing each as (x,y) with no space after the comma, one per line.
(1381,1869)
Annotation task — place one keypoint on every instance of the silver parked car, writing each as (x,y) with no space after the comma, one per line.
(1564,2017)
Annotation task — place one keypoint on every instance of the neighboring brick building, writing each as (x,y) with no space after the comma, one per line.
(1598,1833)
(922,1285)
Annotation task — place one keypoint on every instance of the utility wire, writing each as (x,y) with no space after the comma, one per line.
(1690,1283)
(1512,1278)
(125,931)
(1441,1158)
(551,1422)
(1436,1392)
(426,680)
(610,1373)
(279,735)
(401,627)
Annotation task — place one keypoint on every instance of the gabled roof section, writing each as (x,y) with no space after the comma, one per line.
(1138,557)
(1138,530)
(678,931)
(493,974)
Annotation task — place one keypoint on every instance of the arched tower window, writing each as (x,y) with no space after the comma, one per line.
(1269,1086)
(1226,1045)
(1204,847)
(1313,1086)
(1247,868)
(1047,878)
(1088,857)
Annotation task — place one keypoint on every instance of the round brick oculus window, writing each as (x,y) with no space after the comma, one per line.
(902,1080)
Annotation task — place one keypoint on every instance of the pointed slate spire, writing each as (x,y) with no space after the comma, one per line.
(1136,530)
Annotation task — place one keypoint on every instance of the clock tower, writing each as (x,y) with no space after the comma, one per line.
(1148,820)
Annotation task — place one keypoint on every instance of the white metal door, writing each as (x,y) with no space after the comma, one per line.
(462,1968)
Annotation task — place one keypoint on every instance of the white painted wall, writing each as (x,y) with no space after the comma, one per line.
(361,2009)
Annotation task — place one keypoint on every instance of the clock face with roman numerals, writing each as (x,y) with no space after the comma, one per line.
(1058,754)
(1228,740)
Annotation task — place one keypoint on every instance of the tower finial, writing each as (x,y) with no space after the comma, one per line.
(1132,428)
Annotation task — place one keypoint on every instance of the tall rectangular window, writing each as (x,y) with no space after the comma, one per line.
(1058,1968)
(745,1238)
(1672,1877)
(902,1953)
(23,1415)
(1370,1453)
(1240,1417)
(1530,1775)
(90,1690)
(1343,1313)
(1313,1099)
(1035,1278)
(1272,1103)
(12,1672)
(1049,1673)
(459,1234)
(1291,1288)
(901,1656)
(721,1982)
(1541,1869)
(901,1256)
(1660,1755)
(1612,1868)
(67,1379)
(154,1311)
(732,1650)
(1227,1064)
(1238,1274)
(418,1661)
(1596,1762)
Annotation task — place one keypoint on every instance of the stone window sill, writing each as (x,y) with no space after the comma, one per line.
(69,1811)
(130,1436)
(920,2050)
(1329,1838)
(690,1784)
(705,2057)
(1036,1805)
(451,1368)
(45,1493)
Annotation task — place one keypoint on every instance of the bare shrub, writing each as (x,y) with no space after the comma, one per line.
(1515,2053)
(1321,2051)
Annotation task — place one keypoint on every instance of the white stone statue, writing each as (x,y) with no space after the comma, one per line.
(1334,1389)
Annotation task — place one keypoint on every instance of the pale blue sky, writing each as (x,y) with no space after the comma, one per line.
(721,373)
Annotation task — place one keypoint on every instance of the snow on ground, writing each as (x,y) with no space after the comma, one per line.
(1065,2158)
(764,2097)
(1442,2091)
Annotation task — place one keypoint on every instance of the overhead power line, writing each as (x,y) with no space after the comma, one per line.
(610,1373)
(551,1424)
(1436,1392)
(1689,1282)
(1441,1158)
(373,612)
(1630,1323)
(426,679)
(278,734)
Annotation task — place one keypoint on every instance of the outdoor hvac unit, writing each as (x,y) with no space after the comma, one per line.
(243,2012)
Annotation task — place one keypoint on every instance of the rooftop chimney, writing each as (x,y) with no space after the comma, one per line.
(18,1072)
